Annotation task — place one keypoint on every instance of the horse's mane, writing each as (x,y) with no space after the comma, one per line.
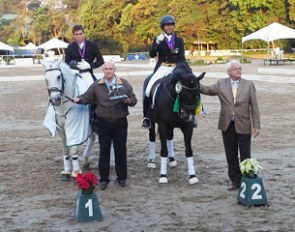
(181,70)
(183,66)
(66,71)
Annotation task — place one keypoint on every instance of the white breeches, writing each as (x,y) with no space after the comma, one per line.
(161,72)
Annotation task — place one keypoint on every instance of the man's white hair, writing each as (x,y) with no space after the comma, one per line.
(232,62)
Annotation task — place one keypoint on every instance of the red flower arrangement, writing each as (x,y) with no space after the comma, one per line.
(86,182)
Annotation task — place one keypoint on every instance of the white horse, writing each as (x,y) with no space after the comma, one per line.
(69,119)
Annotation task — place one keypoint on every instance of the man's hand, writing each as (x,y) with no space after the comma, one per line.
(160,38)
(255,132)
(126,101)
(83,65)
(76,100)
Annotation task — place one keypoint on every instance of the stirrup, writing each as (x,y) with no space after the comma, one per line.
(146,123)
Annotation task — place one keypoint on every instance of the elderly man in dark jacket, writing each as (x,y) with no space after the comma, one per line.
(112,122)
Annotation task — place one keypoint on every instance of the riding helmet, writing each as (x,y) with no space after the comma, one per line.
(167,19)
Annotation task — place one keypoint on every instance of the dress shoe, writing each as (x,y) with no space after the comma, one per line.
(122,183)
(233,187)
(146,123)
(103,185)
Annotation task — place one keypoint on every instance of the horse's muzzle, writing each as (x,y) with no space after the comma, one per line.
(55,101)
(187,115)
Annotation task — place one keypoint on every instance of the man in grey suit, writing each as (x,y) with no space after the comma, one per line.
(239,117)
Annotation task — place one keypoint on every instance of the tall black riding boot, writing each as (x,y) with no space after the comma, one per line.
(146,122)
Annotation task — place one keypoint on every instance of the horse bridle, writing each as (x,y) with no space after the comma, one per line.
(55,89)
(188,107)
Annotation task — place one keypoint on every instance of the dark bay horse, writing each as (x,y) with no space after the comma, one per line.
(152,138)
(174,105)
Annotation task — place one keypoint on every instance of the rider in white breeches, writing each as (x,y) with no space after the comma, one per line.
(170,50)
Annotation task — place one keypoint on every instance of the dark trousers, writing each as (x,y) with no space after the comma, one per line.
(233,143)
(115,131)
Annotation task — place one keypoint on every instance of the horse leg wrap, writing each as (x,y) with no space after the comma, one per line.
(190,166)
(76,166)
(67,163)
(112,156)
(170,148)
(191,171)
(152,155)
(163,170)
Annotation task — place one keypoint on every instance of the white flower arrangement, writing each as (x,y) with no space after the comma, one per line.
(250,167)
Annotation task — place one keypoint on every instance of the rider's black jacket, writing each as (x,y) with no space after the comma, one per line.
(167,55)
(92,54)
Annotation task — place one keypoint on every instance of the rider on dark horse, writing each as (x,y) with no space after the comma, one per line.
(170,50)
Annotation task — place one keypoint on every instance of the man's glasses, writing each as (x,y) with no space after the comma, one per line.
(108,68)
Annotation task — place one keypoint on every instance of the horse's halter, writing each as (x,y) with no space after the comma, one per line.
(56,89)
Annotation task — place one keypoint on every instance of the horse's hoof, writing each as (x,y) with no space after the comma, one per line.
(193,180)
(75,173)
(172,164)
(151,165)
(65,176)
(163,180)
(86,165)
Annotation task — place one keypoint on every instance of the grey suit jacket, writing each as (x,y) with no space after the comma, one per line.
(245,111)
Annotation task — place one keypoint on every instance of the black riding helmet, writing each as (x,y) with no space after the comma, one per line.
(167,19)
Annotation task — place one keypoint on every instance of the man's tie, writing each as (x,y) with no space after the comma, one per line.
(235,90)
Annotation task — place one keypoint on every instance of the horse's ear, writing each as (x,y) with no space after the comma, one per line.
(201,76)
(44,63)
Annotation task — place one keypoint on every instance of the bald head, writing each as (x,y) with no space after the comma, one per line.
(109,64)
(109,69)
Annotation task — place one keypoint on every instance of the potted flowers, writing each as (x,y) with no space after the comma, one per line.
(87,205)
(250,167)
(86,182)
(251,191)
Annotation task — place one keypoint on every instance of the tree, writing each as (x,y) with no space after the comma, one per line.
(291,10)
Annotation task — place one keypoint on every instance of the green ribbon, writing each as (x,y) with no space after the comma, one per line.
(176,106)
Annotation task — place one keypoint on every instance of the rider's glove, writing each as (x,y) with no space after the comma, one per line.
(73,64)
(83,65)
(160,38)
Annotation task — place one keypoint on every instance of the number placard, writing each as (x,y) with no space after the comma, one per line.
(252,192)
(87,208)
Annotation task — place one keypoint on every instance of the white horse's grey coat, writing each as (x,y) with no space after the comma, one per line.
(77,128)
